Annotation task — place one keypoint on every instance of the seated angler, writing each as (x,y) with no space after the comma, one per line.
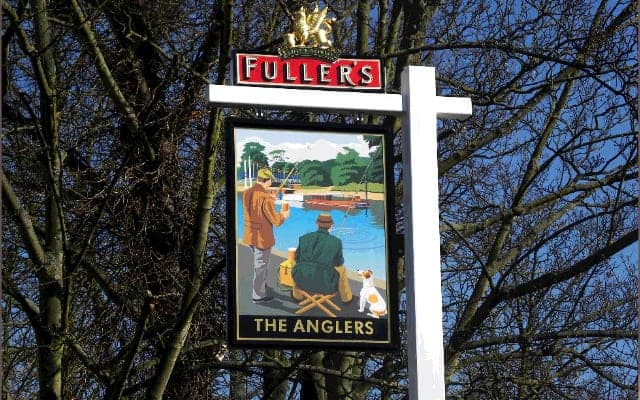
(319,260)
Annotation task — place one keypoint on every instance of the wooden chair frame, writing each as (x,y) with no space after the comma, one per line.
(311,301)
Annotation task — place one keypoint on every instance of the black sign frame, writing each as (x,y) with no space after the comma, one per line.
(274,323)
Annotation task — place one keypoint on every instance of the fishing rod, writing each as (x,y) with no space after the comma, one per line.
(295,165)
(284,181)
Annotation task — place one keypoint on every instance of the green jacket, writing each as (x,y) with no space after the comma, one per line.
(316,256)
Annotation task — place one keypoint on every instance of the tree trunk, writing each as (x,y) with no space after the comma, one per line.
(274,383)
(191,299)
(364,10)
(238,379)
(50,339)
(314,384)
(341,388)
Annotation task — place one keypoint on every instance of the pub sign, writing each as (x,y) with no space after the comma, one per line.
(309,224)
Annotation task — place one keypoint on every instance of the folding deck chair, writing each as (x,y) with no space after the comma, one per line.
(314,300)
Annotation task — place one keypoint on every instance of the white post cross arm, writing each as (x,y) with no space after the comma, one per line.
(305,99)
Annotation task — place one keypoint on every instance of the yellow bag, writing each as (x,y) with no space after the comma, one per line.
(343,285)
(285,277)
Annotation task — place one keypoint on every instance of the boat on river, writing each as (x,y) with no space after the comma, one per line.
(286,194)
(327,201)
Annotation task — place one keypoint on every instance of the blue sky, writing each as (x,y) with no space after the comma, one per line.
(301,145)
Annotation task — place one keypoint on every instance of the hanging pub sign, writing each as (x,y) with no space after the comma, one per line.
(307,60)
(310,255)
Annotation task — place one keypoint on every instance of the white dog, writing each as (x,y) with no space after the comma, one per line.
(369,294)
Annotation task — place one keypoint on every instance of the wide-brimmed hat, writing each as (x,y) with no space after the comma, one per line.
(324,220)
(265,173)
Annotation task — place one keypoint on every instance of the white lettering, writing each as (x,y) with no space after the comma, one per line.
(305,75)
(287,73)
(345,75)
(274,70)
(366,75)
(249,65)
(324,73)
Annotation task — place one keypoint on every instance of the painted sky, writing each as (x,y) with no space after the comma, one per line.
(301,145)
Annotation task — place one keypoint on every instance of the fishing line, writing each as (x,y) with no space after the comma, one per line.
(346,212)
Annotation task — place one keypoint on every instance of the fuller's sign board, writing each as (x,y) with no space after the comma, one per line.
(308,68)
(310,215)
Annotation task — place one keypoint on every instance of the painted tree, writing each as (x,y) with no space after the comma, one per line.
(375,167)
(314,173)
(277,156)
(254,152)
(114,215)
(279,164)
(349,168)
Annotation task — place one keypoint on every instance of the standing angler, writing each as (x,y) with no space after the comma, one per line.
(260,216)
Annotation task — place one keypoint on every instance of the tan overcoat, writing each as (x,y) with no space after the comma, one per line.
(260,216)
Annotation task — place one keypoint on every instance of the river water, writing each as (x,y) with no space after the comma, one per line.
(361,231)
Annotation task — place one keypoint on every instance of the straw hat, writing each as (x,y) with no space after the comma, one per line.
(265,173)
(324,220)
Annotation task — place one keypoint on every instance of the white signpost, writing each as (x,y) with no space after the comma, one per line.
(419,107)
